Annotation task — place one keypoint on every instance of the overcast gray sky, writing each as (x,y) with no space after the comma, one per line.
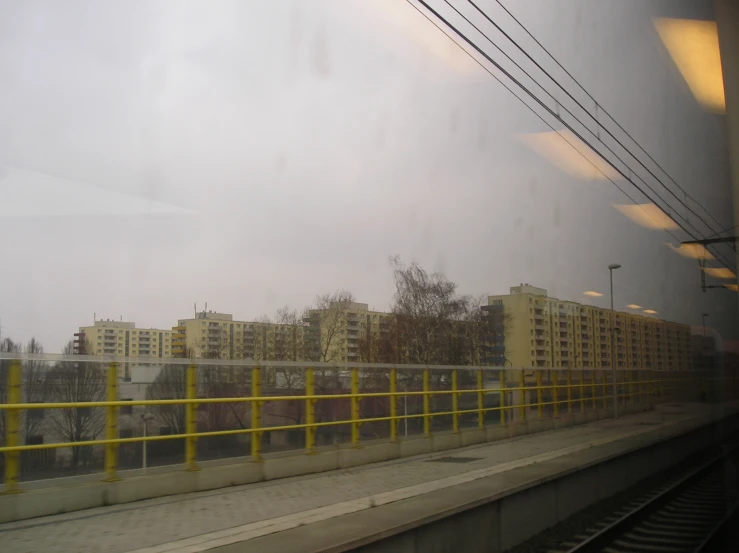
(252,154)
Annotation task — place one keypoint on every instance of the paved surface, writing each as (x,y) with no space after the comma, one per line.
(200,521)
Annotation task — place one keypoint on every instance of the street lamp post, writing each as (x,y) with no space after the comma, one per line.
(145,418)
(405,409)
(614,391)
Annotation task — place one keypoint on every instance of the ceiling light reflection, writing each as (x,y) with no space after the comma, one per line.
(719,272)
(575,158)
(693,251)
(648,216)
(693,46)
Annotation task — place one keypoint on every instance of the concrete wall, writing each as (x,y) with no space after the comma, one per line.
(84,492)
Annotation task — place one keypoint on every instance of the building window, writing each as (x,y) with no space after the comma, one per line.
(35,439)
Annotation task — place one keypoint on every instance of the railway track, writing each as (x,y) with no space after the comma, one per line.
(690,513)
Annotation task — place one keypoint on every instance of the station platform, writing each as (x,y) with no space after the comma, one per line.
(350,509)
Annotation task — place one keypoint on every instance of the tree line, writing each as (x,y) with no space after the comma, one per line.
(59,382)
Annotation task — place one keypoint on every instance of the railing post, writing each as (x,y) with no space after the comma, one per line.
(426,403)
(256,414)
(310,411)
(582,390)
(501,394)
(523,395)
(480,400)
(569,391)
(604,388)
(555,390)
(12,429)
(393,405)
(355,408)
(455,401)
(539,395)
(111,426)
(191,419)
(593,389)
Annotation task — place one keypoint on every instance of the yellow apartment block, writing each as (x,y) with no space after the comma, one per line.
(333,334)
(109,337)
(212,335)
(547,332)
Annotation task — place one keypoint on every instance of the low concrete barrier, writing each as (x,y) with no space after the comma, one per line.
(77,493)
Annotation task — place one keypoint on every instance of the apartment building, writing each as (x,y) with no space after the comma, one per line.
(120,338)
(334,334)
(212,335)
(547,332)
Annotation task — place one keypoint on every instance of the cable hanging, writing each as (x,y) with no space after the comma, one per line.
(601,108)
(631,172)
(543,105)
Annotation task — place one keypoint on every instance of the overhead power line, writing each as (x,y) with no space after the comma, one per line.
(596,120)
(599,107)
(619,158)
(461,35)
(533,111)
(632,172)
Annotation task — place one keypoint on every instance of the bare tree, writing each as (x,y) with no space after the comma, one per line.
(429,315)
(289,345)
(378,345)
(326,321)
(73,382)
(169,384)
(6,346)
(212,382)
(289,341)
(258,347)
(35,387)
(215,383)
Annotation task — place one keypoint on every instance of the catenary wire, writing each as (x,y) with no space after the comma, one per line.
(605,111)
(619,158)
(513,93)
(547,108)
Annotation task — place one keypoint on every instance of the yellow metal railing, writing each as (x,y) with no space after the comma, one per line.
(519,393)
